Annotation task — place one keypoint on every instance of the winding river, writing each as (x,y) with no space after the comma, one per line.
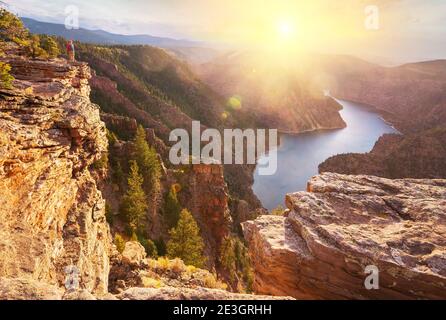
(300,155)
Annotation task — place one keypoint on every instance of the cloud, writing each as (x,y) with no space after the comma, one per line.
(240,21)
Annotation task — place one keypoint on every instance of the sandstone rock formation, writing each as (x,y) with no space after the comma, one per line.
(133,253)
(322,246)
(205,194)
(169,293)
(51,213)
(28,289)
(134,277)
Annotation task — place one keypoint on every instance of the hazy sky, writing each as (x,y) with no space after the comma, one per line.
(409,29)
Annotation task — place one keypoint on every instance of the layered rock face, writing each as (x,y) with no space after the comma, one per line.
(205,194)
(51,213)
(172,293)
(320,249)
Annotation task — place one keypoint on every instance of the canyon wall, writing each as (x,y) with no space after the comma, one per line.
(206,196)
(410,96)
(419,155)
(322,246)
(51,213)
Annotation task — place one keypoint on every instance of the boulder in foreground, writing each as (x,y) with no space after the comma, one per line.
(321,248)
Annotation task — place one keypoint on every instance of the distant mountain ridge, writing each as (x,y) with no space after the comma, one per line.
(104,37)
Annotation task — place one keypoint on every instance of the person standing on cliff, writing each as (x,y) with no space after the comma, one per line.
(70,51)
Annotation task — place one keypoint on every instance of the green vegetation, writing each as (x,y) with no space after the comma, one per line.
(161,247)
(102,163)
(134,203)
(149,246)
(227,257)
(279,211)
(235,260)
(109,216)
(159,78)
(185,241)
(49,45)
(186,273)
(5,78)
(172,208)
(243,264)
(147,160)
(12,28)
(143,175)
(33,48)
(119,243)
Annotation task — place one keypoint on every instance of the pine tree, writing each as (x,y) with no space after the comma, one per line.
(227,256)
(185,241)
(172,208)
(149,246)
(48,44)
(134,203)
(33,48)
(5,78)
(148,162)
(119,242)
(12,28)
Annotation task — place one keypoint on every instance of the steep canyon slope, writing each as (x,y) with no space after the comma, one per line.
(52,214)
(412,97)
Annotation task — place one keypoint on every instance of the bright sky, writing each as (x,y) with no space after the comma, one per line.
(407,28)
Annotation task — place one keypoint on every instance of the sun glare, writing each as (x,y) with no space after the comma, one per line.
(286,29)
(287,36)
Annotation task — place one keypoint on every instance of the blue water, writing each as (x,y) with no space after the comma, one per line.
(300,155)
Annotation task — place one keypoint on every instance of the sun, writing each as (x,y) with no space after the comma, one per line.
(286,28)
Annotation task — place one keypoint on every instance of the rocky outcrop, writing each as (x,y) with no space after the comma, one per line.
(322,246)
(205,194)
(28,289)
(51,213)
(169,293)
(123,126)
(134,277)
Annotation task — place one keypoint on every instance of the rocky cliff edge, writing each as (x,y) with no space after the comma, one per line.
(322,246)
(51,213)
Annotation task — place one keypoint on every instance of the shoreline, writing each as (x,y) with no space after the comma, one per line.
(378,113)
